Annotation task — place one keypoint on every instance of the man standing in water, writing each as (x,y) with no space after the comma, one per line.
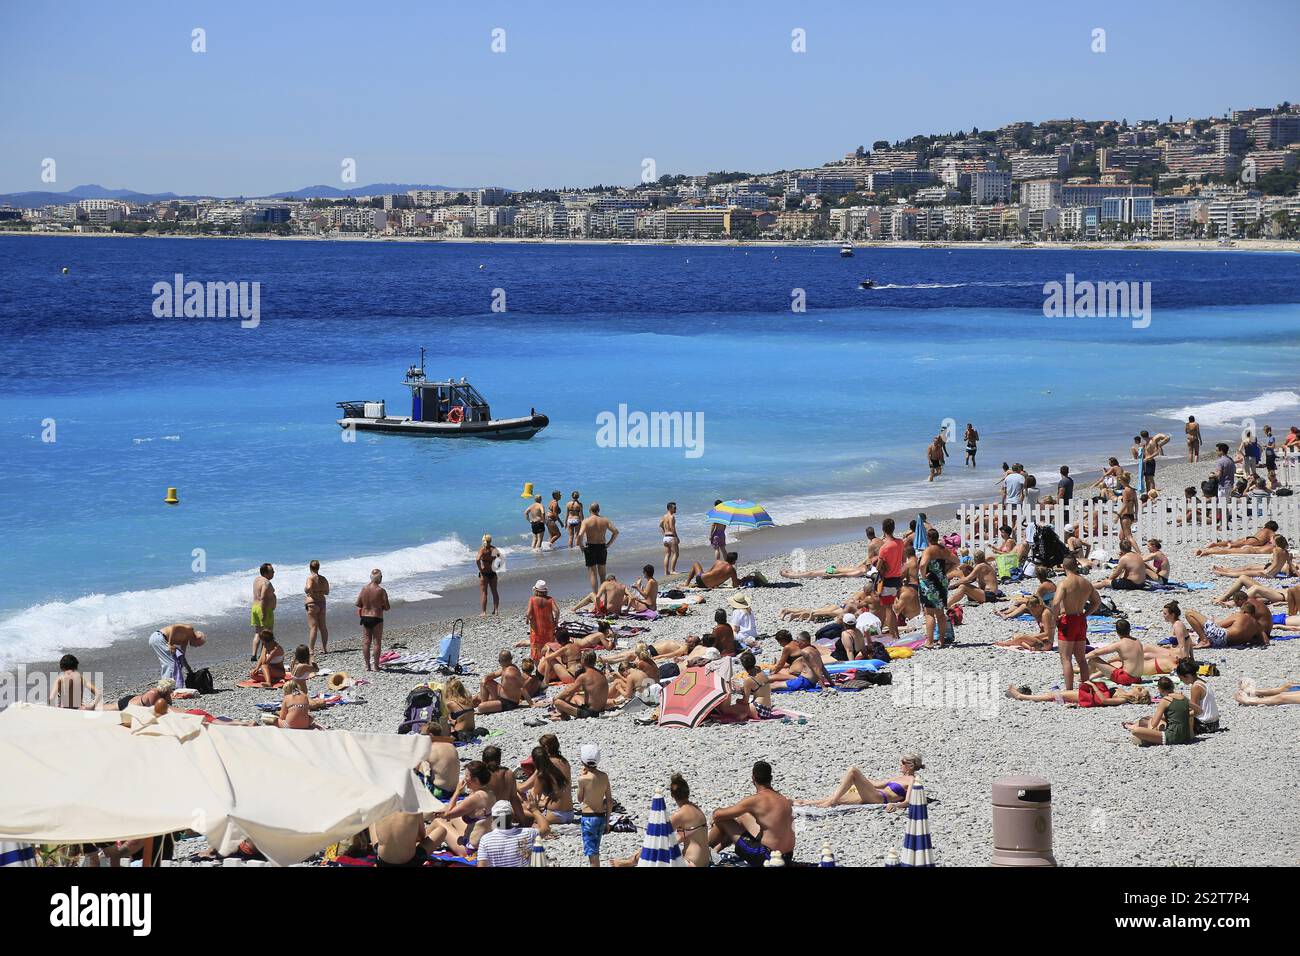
(759,825)
(553,518)
(672,544)
(1076,598)
(263,614)
(372,602)
(935,453)
(972,444)
(535,515)
(595,546)
(316,589)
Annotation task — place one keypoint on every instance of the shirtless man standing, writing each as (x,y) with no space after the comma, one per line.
(503,690)
(1193,431)
(535,515)
(371,604)
(316,589)
(595,546)
(672,543)
(591,684)
(553,518)
(1076,598)
(263,613)
(719,572)
(759,825)
(166,641)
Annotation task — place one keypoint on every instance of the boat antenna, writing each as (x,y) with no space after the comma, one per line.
(421,358)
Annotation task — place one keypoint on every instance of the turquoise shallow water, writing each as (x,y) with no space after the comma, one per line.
(816,414)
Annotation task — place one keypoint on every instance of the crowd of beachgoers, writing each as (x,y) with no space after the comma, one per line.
(844,676)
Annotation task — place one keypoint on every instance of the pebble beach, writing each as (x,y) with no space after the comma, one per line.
(1225,800)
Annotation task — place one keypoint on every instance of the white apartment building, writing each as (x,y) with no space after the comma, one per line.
(1038,167)
(991,186)
(1040,193)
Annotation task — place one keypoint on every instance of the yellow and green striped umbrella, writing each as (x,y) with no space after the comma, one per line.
(741,513)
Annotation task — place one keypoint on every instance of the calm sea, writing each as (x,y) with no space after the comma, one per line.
(819,413)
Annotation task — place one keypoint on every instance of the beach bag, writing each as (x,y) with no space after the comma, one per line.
(449,647)
(951,541)
(200,680)
(423,704)
(1048,550)
(675,594)
(829,632)
(1006,563)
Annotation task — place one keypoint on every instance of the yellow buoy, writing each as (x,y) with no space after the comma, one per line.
(171,498)
(528,490)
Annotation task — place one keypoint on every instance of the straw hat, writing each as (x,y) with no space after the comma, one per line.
(540,587)
(739,601)
(338,680)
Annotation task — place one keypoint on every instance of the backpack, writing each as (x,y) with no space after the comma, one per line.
(423,704)
(200,680)
(1048,550)
(828,632)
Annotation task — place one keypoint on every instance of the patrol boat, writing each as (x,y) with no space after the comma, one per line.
(445,409)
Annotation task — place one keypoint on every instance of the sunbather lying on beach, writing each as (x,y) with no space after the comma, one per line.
(857,571)
(1280,564)
(1291,596)
(1261,542)
(855,789)
(162,691)
(627,683)
(1019,603)
(1235,630)
(1044,637)
(659,651)
(720,572)
(1091,693)
(1248,695)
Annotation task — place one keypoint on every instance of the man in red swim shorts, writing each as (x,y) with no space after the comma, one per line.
(1076,598)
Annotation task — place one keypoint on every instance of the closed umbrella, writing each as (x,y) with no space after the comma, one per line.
(919,540)
(741,514)
(660,847)
(538,856)
(690,697)
(917,850)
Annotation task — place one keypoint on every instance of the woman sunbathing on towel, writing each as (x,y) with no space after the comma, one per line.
(463,823)
(1253,589)
(1041,640)
(270,665)
(856,790)
(1280,565)
(1261,542)
(1091,693)
(659,651)
(627,683)
(1251,696)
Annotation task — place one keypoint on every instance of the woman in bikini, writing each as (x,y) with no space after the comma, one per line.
(315,590)
(548,792)
(460,709)
(461,825)
(295,709)
(1042,639)
(1280,565)
(487,575)
(689,823)
(573,518)
(626,684)
(856,790)
(1091,693)
(1045,591)
(1158,560)
(1248,695)
(553,518)
(270,664)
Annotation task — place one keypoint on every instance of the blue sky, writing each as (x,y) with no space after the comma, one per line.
(584,91)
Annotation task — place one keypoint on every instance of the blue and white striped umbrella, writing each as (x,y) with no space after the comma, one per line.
(917,850)
(828,855)
(660,847)
(538,856)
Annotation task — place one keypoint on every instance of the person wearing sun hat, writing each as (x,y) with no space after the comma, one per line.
(543,615)
(742,619)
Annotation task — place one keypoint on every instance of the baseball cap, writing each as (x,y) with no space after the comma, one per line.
(589,754)
(501,808)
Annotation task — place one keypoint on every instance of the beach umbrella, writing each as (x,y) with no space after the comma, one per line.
(919,541)
(828,856)
(538,857)
(1142,472)
(917,850)
(741,514)
(660,847)
(690,697)
(891,858)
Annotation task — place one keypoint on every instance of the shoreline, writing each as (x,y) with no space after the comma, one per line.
(1158,245)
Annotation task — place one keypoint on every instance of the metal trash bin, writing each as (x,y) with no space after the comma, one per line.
(1022,822)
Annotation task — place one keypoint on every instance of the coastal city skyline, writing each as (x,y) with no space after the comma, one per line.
(227,104)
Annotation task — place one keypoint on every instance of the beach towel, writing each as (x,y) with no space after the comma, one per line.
(258,684)
(839,667)
(816,813)
(321,701)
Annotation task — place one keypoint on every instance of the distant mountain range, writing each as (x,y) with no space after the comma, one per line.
(37,198)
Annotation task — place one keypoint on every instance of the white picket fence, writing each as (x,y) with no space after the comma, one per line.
(1174,520)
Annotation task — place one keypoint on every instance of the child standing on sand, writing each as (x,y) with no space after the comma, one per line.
(596,802)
